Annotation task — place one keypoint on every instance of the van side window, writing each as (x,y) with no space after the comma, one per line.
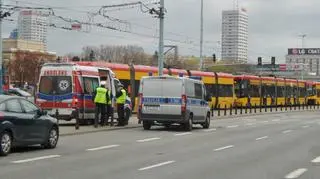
(189,89)
(198,91)
(90,84)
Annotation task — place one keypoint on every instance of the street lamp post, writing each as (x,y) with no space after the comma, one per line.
(201,36)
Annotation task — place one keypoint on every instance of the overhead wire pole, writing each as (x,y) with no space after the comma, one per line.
(201,37)
(1,60)
(161,43)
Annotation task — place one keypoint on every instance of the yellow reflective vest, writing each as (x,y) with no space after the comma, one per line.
(101,96)
(122,99)
(110,97)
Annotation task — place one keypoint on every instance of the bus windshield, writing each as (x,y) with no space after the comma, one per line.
(55,85)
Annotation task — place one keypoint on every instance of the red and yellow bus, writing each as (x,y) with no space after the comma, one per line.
(247,90)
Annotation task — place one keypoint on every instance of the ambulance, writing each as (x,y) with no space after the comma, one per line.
(65,90)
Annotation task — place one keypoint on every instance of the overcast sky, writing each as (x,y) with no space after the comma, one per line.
(274,25)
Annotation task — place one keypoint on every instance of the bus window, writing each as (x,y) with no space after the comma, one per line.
(241,88)
(225,91)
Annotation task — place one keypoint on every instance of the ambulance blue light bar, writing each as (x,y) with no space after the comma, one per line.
(196,77)
(180,74)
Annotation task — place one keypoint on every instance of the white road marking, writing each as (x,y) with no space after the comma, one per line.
(296,174)
(35,159)
(157,165)
(261,138)
(316,160)
(233,126)
(249,124)
(181,134)
(265,121)
(148,140)
(210,130)
(287,131)
(305,126)
(275,120)
(103,147)
(223,148)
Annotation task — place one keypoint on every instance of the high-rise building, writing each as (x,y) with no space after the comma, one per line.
(234,46)
(32,26)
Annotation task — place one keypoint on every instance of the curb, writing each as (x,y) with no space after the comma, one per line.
(98,130)
(212,118)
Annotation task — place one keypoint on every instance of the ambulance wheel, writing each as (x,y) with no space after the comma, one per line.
(206,124)
(146,125)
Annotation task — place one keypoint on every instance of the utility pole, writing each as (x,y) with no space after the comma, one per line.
(1,60)
(201,37)
(161,31)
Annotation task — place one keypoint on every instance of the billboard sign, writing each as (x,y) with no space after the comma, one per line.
(304,51)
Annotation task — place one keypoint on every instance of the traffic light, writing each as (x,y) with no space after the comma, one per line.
(259,61)
(214,59)
(273,61)
(92,55)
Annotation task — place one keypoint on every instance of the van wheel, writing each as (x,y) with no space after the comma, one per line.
(5,143)
(206,124)
(188,124)
(146,125)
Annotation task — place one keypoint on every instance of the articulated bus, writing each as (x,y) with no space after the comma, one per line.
(318,92)
(302,92)
(219,85)
(291,91)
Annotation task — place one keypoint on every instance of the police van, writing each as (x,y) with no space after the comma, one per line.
(168,100)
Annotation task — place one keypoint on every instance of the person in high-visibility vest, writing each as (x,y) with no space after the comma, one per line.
(100,99)
(109,108)
(121,99)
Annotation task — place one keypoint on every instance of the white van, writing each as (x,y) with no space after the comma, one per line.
(167,100)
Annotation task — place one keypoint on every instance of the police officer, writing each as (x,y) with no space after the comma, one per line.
(121,99)
(109,108)
(100,99)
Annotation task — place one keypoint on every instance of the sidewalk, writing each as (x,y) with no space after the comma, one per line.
(68,128)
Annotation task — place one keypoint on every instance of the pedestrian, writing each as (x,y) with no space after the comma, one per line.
(121,99)
(109,108)
(100,100)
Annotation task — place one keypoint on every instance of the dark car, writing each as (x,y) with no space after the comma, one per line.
(22,123)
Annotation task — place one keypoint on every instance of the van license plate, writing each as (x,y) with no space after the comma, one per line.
(152,108)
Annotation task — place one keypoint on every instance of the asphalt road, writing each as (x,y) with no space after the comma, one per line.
(252,147)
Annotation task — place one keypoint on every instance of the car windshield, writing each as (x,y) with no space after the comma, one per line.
(22,93)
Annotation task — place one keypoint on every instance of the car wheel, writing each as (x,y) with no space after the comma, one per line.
(146,125)
(188,124)
(52,139)
(6,143)
(206,124)
(127,114)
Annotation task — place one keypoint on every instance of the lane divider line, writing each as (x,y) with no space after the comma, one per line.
(296,174)
(234,126)
(182,134)
(148,139)
(210,130)
(224,148)
(156,165)
(261,138)
(249,124)
(103,147)
(305,126)
(35,159)
(316,160)
(287,131)
(275,120)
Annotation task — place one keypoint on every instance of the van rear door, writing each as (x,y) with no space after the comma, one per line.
(162,96)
